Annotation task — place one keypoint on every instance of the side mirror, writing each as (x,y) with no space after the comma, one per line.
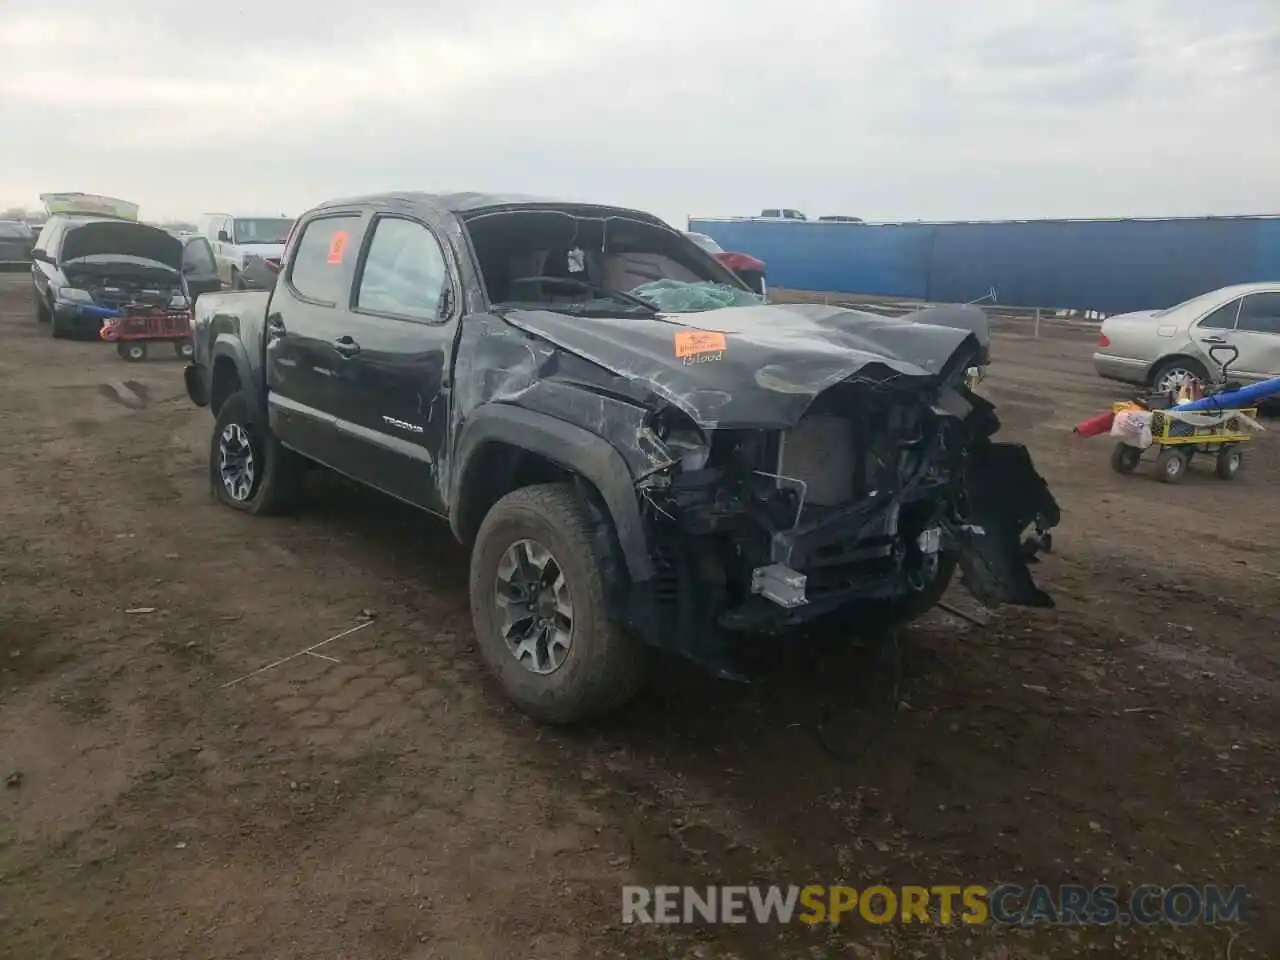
(224,237)
(41,256)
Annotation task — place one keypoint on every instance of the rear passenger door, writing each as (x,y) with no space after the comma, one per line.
(395,347)
(307,314)
(1257,337)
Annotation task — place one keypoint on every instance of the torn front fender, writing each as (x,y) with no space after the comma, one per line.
(1005,496)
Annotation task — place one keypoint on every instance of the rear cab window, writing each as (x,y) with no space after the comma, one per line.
(321,254)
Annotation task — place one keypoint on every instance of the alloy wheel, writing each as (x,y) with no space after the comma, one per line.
(1174,378)
(535,607)
(237,465)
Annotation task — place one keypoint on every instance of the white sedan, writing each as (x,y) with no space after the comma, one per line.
(1162,348)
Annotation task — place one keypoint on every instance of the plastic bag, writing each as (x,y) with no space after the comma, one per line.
(1132,427)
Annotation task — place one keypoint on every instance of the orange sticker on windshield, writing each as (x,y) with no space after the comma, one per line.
(337,246)
(691,343)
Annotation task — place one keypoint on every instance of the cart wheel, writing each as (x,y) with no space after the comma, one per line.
(1230,460)
(135,351)
(1124,458)
(184,349)
(1171,465)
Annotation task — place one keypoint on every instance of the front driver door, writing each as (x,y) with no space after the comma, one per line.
(199,269)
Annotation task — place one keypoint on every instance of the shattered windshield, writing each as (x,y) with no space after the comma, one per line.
(677,296)
(262,230)
(705,242)
(610,265)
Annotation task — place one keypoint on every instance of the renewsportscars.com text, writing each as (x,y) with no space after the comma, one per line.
(942,904)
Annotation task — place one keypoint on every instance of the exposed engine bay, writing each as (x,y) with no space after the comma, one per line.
(875,492)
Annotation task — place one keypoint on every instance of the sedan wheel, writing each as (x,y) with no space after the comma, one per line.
(1171,378)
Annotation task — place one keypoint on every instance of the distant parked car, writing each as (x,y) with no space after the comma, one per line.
(783,213)
(1162,348)
(85,268)
(749,268)
(238,241)
(16,241)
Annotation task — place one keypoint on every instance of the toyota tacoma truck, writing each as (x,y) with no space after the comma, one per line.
(639,451)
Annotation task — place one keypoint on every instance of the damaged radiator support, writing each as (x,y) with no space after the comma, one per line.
(786,587)
(819,458)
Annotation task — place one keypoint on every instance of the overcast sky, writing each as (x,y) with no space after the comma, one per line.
(885,109)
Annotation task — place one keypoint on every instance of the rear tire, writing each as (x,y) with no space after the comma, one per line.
(249,469)
(1230,460)
(184,349)
(602,667)
(1163,377)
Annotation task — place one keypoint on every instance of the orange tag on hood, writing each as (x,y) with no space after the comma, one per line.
(690,343)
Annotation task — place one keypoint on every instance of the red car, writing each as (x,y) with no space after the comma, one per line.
(749,268)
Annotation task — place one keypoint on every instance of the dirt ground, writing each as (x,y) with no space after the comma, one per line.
(391,804)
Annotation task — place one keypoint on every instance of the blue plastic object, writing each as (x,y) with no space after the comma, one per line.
(94,310)
(1235,399)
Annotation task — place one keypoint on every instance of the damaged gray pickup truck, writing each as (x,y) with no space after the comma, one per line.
(639,450)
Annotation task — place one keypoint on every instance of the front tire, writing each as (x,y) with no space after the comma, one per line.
(134,351)
(43,313)
(1171,465)
(923,599)
(1125,457)
(539,610)
(249,469)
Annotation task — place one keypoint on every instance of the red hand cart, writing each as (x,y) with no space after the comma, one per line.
(139,326)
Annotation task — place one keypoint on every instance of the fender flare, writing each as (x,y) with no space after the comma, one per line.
(229,346)
(578,450)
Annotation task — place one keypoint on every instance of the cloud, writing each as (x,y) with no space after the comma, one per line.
(878,108)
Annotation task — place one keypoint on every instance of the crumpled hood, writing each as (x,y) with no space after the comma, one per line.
(762,366)
(124,238)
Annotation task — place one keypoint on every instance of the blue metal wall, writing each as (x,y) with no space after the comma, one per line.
(892,259)
(1107,265)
